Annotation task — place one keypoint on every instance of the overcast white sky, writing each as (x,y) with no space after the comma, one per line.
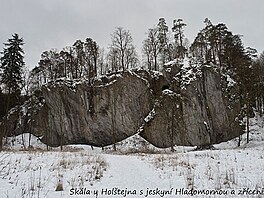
(46,24)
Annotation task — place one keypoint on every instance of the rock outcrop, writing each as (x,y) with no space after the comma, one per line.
(166,111)
(78,113)
(198,115)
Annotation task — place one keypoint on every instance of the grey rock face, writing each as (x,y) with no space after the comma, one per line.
(198,115)
(97,115)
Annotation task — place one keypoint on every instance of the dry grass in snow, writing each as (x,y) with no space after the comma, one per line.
(39,174)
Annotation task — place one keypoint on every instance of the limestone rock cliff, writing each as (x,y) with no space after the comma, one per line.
(197,115)
(107,112)
(163,107)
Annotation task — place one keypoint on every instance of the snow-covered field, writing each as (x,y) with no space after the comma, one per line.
(136,169)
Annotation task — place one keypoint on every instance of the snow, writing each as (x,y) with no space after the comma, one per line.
(150,116)
(108,84)
(173,62)
(230,81)
(168,92)
(143,79)
(144,172)
(156,74)
(189,71)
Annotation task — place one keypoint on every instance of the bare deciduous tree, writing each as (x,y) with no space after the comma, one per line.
(152,48)
(122,51)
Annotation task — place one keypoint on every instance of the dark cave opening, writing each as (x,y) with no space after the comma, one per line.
(165,87)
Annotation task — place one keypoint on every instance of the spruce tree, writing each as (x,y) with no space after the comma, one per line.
(12,63)
(163,41)
(178,29)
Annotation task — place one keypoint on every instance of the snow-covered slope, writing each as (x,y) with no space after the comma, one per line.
(136,169)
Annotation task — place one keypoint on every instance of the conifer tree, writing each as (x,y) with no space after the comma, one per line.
(12,63)
(163,40)
(178,29)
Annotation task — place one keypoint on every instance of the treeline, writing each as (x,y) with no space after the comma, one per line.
(258,82)
(214,44)
(85,59)
(217,45)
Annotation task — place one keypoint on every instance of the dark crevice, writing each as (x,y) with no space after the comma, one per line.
(165,87)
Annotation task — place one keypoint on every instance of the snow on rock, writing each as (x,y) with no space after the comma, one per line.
(167,91)
(156,74)
(150,116)
(108,84)
(173,62)
(187,75)
(230,81)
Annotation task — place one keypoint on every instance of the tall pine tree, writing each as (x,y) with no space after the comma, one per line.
(12,63)
(178,29)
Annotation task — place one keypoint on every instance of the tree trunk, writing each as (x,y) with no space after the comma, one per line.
(113,120)
(1,138)
(155,63)
(247,125)
(247,110)
(239,141)
(172,127)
